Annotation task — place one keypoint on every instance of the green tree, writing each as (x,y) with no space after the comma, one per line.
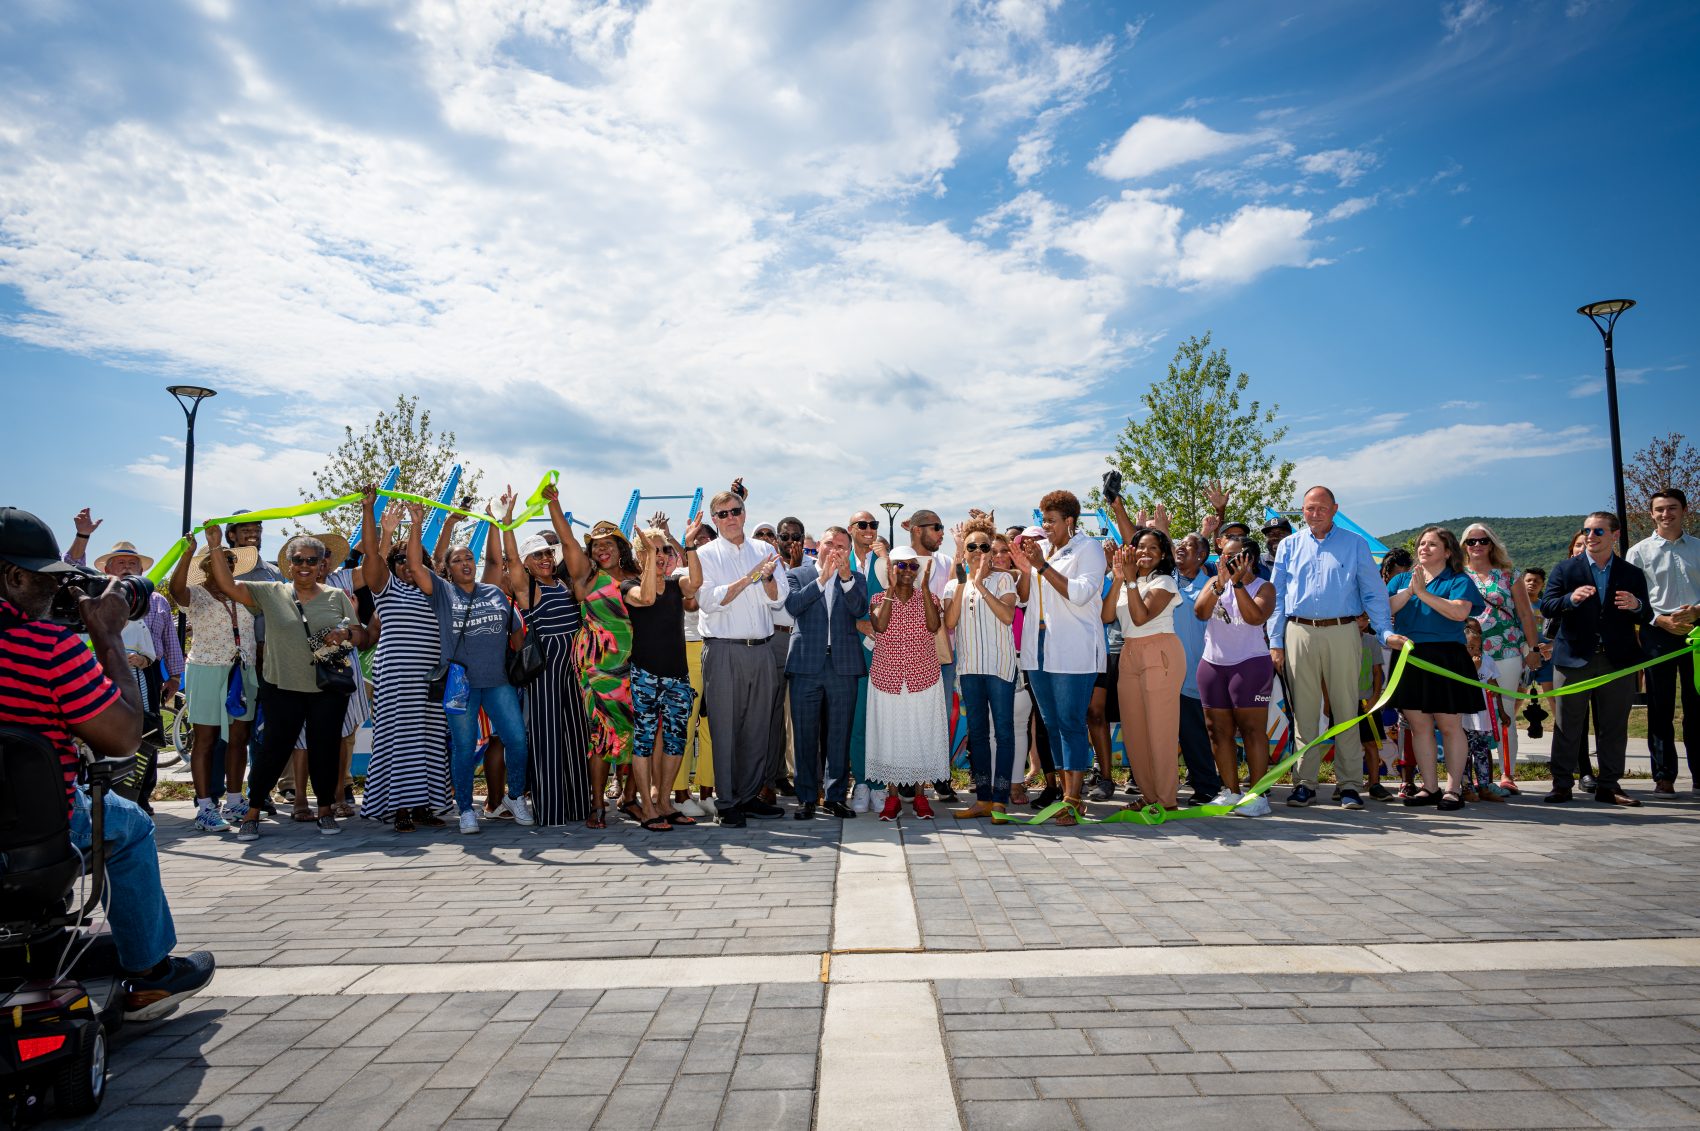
(401,437)
(1199,429)
(1666,461)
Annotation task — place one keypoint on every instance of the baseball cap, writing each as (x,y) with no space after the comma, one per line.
(28,543)
(1278,524)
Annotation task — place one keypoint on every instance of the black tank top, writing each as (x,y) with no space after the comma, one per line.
(658,633)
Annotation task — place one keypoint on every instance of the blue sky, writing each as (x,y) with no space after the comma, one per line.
(852,252)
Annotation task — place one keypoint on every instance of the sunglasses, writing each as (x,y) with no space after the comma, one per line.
(1596,531)
(809,553)
(305,559)
(865,524)
(730,512)
(972,546)
(1478,541)
(905,566)
(790,537)
(928,525)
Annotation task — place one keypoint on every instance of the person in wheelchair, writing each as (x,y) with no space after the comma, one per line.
(54,685)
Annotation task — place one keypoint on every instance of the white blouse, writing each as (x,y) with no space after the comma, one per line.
(1164,621)
(1074,630)
(211,640)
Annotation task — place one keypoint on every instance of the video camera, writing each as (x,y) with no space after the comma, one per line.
(65,610)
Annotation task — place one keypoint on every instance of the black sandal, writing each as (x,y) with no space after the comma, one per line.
(403,821)
(678,818)
(1422,797)
(657,825)
(1449,802)
(630,809)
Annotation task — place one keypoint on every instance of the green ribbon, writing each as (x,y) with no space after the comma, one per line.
(1157,815)
(534,506)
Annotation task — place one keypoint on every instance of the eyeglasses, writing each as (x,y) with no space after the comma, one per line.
(928,525)
(729,512)
(1596,531)
(865,524)
(972,546)
(790,537)
(305,559)
(1478,541)
(905,566)
(810,551)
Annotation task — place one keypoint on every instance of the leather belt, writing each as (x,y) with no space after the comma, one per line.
(782,628)
(756,643)
(1324,622)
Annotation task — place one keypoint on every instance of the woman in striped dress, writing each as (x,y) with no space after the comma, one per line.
(556,730)
(408,775)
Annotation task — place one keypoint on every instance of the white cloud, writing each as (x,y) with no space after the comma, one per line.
(1458,16)
(1357,426)
(1252,241)
(1349,208)
(1136,237)
(1460,406)
(1346,165)
(1401,466)
(1155,143)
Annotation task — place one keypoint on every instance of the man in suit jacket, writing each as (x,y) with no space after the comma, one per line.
(1597,600)
(825,662)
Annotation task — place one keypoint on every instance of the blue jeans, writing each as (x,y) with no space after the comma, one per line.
(986,697)
(1063,700)
(501,703)
(135,900)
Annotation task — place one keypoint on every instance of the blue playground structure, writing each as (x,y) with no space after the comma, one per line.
(628,522)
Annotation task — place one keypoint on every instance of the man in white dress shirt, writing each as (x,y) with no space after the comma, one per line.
(742,584)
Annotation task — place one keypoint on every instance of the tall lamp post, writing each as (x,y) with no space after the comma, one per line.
(189,397)
(891,511)
(1603,315)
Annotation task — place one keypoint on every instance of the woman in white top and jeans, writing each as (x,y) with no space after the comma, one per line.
(1236,675)
(1062,639)
(1153,662)
(979,608)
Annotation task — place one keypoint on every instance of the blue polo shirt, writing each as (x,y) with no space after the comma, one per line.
(1189,628)
(1422,624)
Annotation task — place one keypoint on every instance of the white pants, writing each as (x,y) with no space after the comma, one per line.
(1510,673)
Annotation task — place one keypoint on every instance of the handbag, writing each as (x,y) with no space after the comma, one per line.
(524,664)
(437,686)
(335,676)
(235,690)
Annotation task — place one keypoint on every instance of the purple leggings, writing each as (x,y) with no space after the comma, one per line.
(1235,687)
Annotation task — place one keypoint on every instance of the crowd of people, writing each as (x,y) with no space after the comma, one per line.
(718,676)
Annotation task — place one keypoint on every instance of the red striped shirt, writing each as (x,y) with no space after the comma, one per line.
(49,682)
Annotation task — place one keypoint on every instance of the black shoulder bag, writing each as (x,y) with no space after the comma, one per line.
(336,676)
(524,664)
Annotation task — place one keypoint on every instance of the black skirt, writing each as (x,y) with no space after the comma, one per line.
(1432,694)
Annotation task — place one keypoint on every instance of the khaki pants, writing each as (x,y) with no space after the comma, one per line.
(1333,655)
(698,762)
(1148,688)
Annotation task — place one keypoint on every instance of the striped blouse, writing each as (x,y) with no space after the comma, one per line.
(984,644)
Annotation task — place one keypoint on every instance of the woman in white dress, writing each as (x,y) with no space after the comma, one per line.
(908,743)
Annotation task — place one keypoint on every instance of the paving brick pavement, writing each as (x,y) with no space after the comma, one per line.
(1496,1049)
(371,895)
(1523,870)
(627,1059)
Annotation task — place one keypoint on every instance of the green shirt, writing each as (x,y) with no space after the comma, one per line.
(289,653)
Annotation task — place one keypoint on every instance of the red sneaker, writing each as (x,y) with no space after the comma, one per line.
(923,810)
(892,807)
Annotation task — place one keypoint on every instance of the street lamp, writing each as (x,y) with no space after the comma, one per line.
(1603,315)
(189,397)
(891,510)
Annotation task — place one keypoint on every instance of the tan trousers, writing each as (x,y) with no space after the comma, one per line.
(1335,655)
(1148,687)
(698,763)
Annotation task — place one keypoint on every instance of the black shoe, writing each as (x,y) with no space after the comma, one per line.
(839,809)
(784,787)
(1588,784)
(156,996)
(943,792)
(805,812)
(762,810)
(732,817)
(1049,796)
(1611,795)
(1557,797)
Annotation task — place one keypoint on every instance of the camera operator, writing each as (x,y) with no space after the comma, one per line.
(61,689)
(158,642)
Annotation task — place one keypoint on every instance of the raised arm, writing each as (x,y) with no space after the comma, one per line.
(219,570)
(931,608)
(445,540)
(572,554)
(422,575)
(374,549)
(649,571)
(179,584)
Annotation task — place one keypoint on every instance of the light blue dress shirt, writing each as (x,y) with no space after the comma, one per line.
(1324,578)
(1189,628)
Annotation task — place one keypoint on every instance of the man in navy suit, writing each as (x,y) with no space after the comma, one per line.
(826,660)
(1597,600)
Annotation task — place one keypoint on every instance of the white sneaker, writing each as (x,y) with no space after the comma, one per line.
(1256,807)
(859,797)
(521,810)
(235,808)
(469,822)
(876,799)
(709,808)
(690,808)
(208,820)
(1226,797)
(502,812)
